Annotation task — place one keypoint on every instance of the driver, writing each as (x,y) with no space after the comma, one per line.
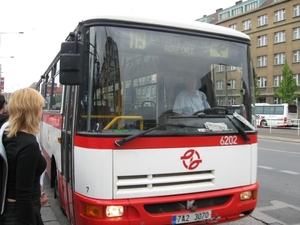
(190,100)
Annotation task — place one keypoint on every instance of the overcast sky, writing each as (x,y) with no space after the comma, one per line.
(47,23)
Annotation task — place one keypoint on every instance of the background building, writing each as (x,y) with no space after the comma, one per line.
(274,29)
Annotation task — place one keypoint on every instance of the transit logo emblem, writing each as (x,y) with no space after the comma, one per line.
(191,159)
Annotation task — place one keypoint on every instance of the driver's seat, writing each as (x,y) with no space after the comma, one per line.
(148,112)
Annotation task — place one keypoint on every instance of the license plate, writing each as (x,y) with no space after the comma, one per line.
(191,217)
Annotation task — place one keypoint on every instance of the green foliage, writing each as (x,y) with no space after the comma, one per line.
(288,86)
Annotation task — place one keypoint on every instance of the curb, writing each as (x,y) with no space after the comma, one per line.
(276,138)
(277,213)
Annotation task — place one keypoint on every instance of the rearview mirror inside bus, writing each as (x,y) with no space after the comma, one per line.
(71,63)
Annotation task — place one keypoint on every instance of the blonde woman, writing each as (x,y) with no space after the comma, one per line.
(25,161)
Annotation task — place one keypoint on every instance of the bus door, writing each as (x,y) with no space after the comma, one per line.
(67,143)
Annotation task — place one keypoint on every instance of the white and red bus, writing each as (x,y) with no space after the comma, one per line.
(116,153)
(276,115)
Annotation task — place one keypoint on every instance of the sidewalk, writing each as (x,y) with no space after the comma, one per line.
(47,212)
(48,216)
(289,135)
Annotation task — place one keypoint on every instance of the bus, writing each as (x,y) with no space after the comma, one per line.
(117,154)
(278,115)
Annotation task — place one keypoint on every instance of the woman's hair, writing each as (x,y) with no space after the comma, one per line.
(24,106)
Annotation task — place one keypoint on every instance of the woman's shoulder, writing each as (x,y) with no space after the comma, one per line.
(22,140)
(27,138)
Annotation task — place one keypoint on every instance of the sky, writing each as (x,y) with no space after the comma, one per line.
(46,24)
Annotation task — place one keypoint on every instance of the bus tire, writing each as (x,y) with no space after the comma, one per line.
(263,123)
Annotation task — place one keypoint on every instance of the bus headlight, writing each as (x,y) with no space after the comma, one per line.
(246,195)
(114,211)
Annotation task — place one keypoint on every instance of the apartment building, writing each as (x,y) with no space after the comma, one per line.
(274,29)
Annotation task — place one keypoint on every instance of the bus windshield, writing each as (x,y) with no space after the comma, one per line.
(133,76)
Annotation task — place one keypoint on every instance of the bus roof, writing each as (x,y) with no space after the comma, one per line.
(182,24)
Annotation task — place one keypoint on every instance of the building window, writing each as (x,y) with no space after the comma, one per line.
(296,33)
(220,68)
(219,85)
(233,26)
(297,79)
(262,20)
(279,58)
(231,84)
(232,68)
(262,61)
(220,101)
(246,24)
(251,6)
(280,15)
(277,80)
(279,37)
(297,10)
(148,91)
(153,90)
(237,11)
(276,100)
(296,56)
(231,101)
(262,40)
(224,16)
(262,82)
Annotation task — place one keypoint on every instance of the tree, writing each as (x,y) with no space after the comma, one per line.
(286,91)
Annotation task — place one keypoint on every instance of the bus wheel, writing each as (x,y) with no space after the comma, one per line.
(263,123)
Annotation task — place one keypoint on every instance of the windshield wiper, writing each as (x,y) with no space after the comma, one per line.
(240,130)
(131,137)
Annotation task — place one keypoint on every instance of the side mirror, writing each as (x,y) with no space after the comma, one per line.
(71,63)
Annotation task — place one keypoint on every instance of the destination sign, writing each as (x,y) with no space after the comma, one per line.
(177,44)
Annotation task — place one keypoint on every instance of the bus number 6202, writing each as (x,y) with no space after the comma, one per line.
(228,140)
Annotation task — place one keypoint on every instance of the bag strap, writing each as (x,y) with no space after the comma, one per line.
(4,169)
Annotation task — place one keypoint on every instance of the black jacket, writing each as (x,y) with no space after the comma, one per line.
(3,119)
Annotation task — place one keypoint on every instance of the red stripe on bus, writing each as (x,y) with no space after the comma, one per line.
(163,142)
(53,120)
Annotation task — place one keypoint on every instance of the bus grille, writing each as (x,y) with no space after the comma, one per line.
(178,206)
(138,185)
